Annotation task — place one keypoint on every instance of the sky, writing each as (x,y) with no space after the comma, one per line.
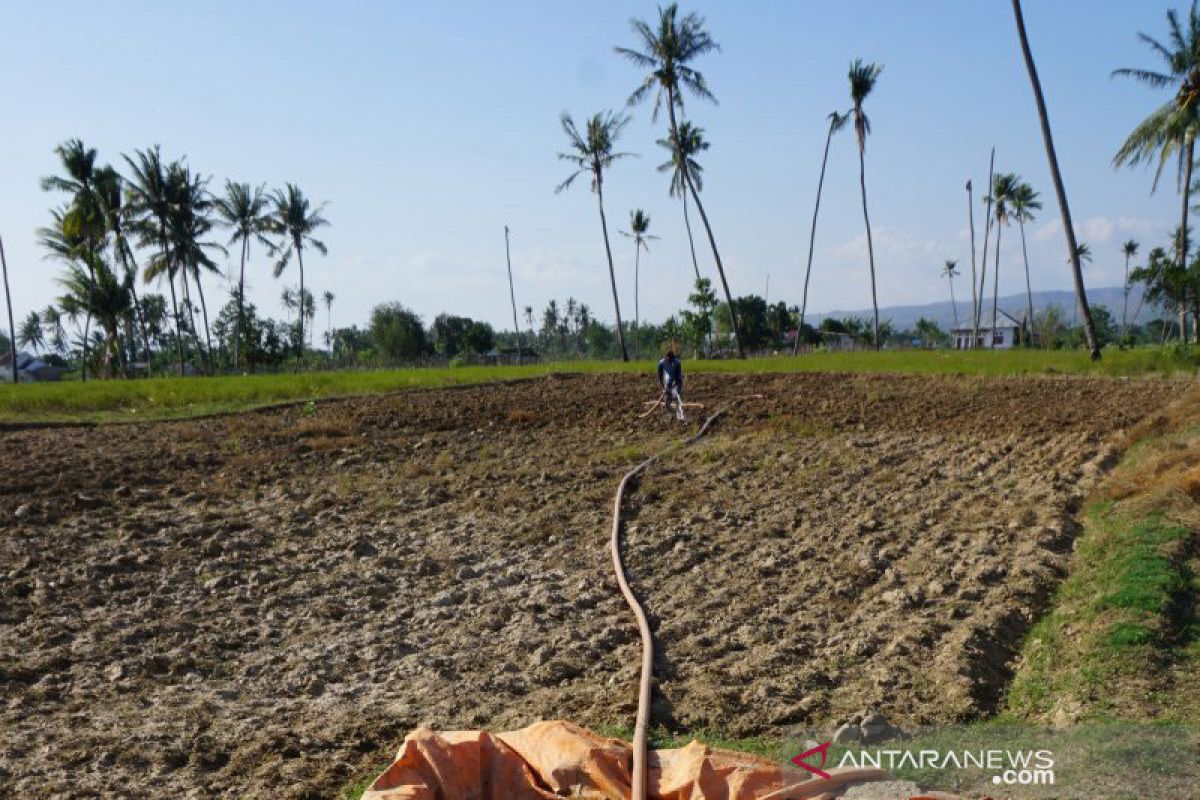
(427,127)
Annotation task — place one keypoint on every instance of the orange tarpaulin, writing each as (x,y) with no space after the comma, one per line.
(560,759)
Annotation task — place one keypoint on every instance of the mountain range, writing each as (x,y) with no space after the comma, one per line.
(943,313)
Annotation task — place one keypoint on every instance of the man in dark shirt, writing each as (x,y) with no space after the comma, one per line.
(670,377)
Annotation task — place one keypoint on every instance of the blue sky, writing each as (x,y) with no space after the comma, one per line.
(429,126)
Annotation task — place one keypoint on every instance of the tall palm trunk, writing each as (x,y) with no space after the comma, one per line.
(637,267)
(1028,286)
(241,304)
(996,283)
(712,241)
(187,302)
(812,239)
(204,311)
(178,328)
(1125,301)
(141,316)
(612,274)
(300,313)
(691,243)
(862,183)
(87,319)
(974,275)
(12,329)
(130,264)
(987,233)
(1189,157)
(512,295)
(953,305)
(1089,328)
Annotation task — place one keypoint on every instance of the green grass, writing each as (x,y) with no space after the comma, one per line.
(1108,629)
(168,398)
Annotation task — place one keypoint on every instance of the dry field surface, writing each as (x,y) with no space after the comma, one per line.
(269,601)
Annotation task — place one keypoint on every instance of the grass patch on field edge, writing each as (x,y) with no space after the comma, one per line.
(173,398)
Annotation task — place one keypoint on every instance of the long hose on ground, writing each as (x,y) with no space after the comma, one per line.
(643,712)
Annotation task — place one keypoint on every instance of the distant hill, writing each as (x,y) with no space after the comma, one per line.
(943,314)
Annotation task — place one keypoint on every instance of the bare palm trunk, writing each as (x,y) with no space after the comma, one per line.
(712,242)
(204,311)
(300,311)
(862,183)
(974,275)
(691,243)
(12,329)
(612,274)
(241,305)
(987,233)
(1028,286)
(512,294)
(130,265)
(1189,156)
(141,318)
(87,320)
(953,305)
(1089,328)
(637,267)
(812,239)
(178,330)
(187,302)
(1125,302)
(996,284)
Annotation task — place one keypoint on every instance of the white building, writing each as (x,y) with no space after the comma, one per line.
(1009,332)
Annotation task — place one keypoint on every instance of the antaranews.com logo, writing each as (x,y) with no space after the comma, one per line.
(1008,767)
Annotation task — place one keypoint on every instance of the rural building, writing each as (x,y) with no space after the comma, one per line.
(832,340)
(29,369)
(1009,332)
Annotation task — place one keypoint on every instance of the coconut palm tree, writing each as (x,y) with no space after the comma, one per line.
(683,149)
(1004,189)
(30,334)
(639,224)
(1129,250)
(592,152)
(1024,203)
(950,270)
(666,54)
(862,81)
(1089,329)
(116,212)
(82,217)
(328,297)
(190,221)
(1170,129)
(52,327)
(294,220)
(108,296)
(242,209)
(836,123)
(150,200)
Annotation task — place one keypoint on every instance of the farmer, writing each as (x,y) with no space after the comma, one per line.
(670,377)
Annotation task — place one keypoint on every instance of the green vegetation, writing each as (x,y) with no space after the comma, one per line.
(167,398)
(1113,618)
(1122,640)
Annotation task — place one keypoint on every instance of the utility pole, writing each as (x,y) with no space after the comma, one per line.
(512,295)
(12,329)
